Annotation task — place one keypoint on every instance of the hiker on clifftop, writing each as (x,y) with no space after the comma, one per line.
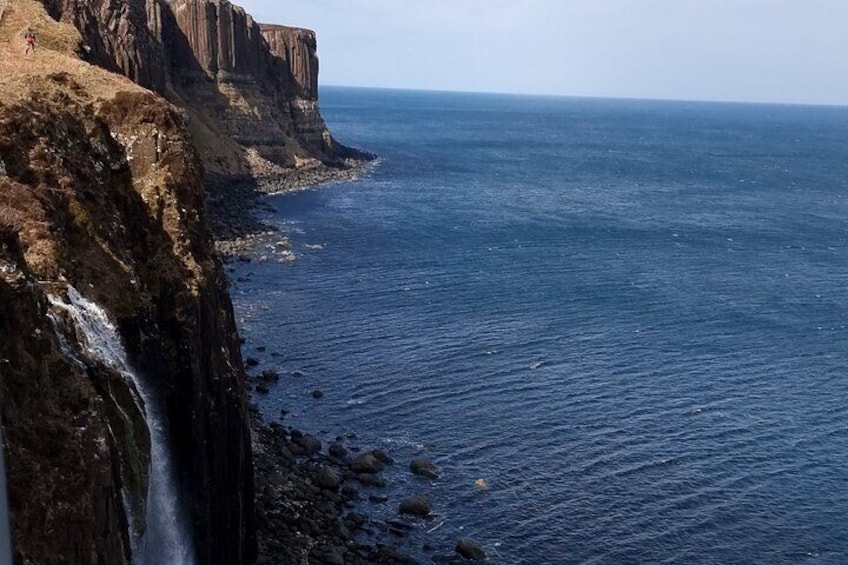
(29,36)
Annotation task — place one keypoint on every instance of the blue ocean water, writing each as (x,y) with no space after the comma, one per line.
(628,317)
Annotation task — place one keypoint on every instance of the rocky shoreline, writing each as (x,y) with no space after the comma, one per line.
(309,503)
(234,201)
(309,494)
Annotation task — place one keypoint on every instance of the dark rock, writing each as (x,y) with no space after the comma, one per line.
(244,258)
(416,506)
(260,348)
(295,433)
(333,556)
(424,468)
(337,451)
(310,444)
(378,498)
(470,550)
(366,463)
(270,375)
(370,480)
(317,394)
(390,555)
(262,388)
(250,362)
(350,492)
(383,456)
(327,479)
(355,520)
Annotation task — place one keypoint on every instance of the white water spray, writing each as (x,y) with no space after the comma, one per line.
(166,539)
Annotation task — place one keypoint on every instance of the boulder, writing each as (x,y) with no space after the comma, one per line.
(311,445)
(327,479)
(270,375)
(416,506)
(366,463)
(424,468)
(470,550)
(338,451)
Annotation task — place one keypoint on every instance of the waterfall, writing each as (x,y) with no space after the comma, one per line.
(166,538)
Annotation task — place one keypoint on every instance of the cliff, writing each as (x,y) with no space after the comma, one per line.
(249,91)
(242,90)
(102,190)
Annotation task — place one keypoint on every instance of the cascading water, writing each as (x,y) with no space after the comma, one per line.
(166,539)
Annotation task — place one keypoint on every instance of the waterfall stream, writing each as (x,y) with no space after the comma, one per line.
(166,538)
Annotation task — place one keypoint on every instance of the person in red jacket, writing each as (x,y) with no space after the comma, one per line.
(29,36)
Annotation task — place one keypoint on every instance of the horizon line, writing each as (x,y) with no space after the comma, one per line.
(593,96)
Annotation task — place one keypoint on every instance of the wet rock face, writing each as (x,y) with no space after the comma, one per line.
(185,333)
(63,465)
(122,36)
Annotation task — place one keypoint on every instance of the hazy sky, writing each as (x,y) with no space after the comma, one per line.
(748,50)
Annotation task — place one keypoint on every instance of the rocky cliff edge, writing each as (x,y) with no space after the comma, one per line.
(101,188)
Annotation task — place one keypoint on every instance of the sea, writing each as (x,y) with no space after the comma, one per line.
(627,318)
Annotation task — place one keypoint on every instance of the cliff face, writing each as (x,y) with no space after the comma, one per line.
(102,190)
(297,49)
(250,90)
(294,56)
(263,100)
(63,433)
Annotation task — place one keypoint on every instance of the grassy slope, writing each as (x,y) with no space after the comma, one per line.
(24,76)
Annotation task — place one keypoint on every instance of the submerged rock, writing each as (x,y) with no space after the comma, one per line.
(424,468)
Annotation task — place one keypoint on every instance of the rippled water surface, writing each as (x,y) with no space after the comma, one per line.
(629,318)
